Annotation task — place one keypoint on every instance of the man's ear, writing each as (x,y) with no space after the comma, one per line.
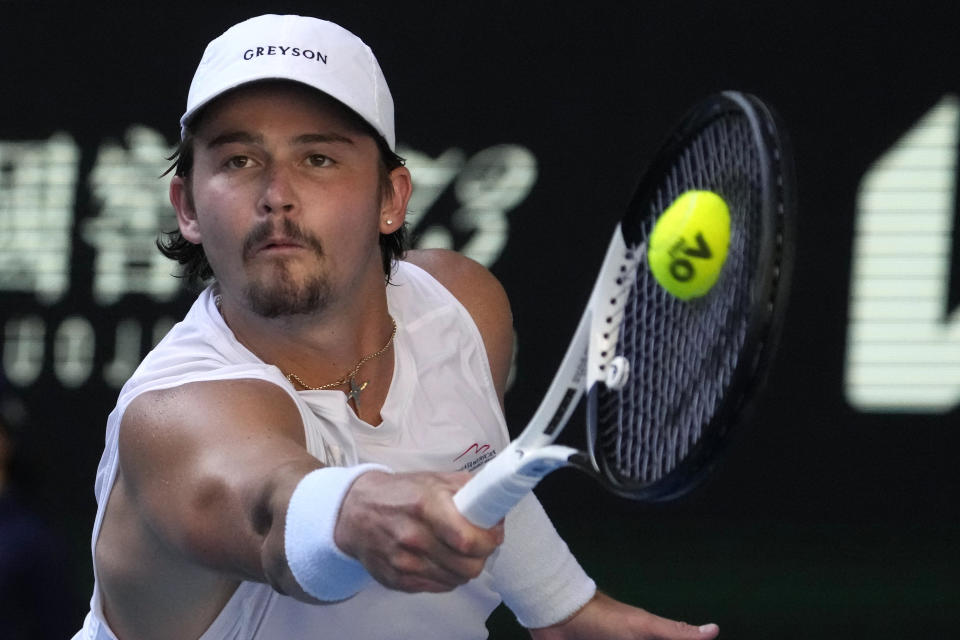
(393,208)
(182,200)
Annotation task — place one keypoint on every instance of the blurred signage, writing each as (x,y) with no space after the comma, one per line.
(41,235)
(903,346)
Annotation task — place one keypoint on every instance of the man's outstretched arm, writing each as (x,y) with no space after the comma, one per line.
(212,468)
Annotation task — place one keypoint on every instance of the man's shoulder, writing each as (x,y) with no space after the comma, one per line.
(484,298)
(230,392)
(468,280)
(207,411)
(435,261)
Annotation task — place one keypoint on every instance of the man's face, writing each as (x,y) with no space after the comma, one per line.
(286,199)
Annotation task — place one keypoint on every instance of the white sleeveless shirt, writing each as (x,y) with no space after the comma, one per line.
(441,413)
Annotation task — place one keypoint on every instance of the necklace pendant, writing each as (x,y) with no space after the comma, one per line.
(355,389)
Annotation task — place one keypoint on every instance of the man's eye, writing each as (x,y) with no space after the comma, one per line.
(319,160)
(238,162)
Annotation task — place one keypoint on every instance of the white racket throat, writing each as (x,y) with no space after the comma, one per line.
(590,358)
(607,303)
(593,347)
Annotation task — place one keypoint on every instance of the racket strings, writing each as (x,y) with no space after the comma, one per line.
(683,355)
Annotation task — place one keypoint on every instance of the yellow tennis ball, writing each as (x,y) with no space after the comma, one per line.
(689,244)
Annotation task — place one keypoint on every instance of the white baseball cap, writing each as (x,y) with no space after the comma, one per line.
(310,51)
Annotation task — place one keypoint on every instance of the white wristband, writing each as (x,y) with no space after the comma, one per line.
(320,568)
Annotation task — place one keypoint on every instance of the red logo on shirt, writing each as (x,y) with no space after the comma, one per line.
(475,448)
(483,452)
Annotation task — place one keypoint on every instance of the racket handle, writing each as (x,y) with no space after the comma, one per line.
(490,494)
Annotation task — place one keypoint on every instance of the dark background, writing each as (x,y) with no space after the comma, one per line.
(824,520)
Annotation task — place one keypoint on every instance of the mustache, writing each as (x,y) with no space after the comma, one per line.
(290,230)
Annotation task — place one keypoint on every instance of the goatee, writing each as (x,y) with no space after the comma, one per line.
(281,295)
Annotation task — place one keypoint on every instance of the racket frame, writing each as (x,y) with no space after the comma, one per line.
(775,261)
(503,481)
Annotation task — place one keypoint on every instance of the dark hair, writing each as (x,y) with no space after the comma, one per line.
(192,258)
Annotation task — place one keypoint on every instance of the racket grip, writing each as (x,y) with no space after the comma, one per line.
(490,494)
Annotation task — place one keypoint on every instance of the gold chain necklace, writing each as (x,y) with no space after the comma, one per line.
(350,378)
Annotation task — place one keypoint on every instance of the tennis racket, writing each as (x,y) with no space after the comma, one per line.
(667,379)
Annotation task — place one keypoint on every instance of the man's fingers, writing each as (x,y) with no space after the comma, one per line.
(414,573)
(409,534)
(665,629)
(460,549)
(458,533)
(429,556)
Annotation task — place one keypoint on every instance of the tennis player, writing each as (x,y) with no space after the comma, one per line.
(282,464)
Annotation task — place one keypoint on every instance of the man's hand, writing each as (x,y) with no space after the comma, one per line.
(604,618)
(406,531)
